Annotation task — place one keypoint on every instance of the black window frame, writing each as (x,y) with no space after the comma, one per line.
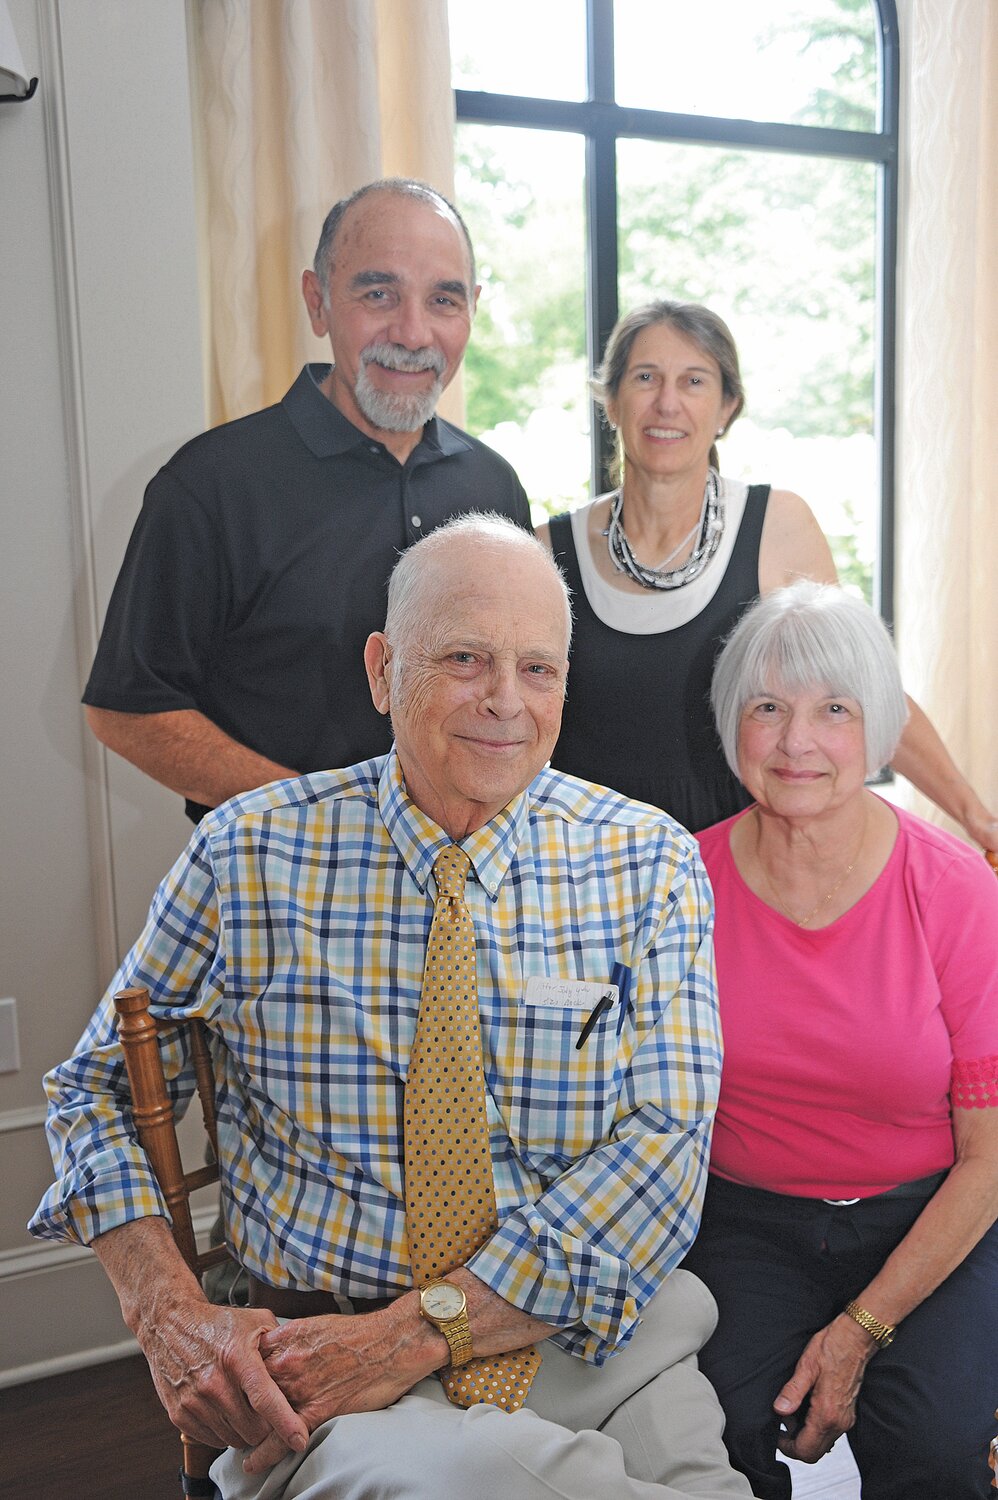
(602,122)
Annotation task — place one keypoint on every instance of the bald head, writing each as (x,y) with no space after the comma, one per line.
(452,557)
(398,187)
(472,666)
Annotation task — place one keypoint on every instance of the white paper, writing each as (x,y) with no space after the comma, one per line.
(571,994)
(13,77)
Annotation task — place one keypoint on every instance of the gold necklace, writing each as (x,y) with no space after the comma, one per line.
(803,921)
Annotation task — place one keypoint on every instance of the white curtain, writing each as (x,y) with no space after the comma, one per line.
(947,533)
(297,103)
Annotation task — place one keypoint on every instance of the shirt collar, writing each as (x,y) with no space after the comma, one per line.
(419,839)
(326,432)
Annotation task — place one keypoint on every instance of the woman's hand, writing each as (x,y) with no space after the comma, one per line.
(831,1370)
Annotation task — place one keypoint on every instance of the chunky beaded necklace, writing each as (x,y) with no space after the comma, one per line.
(708,531)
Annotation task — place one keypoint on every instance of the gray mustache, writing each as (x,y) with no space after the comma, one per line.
(396,357)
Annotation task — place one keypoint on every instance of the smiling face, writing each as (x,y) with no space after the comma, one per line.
(398,315)
(669,405)
(802,753)
(476,708)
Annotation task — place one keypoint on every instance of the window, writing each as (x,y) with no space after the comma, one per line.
(743,156)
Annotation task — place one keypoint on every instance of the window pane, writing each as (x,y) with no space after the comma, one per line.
(750,59)
(784,248)
(521,192)
(531,47)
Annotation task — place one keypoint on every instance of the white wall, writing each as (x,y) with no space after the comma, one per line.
(101,347)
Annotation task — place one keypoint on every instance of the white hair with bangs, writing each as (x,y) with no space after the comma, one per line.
(807,636)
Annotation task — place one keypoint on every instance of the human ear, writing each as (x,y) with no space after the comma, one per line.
(377,661)
(311,290)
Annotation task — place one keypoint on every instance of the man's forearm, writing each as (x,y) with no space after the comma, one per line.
(143,1264)
(186,752)
(205,1361)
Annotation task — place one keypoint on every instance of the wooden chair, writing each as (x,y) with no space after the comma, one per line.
(155,1127)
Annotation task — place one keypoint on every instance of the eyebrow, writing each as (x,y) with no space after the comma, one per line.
(649,364)
(374,278)
(389,278)
(485,648)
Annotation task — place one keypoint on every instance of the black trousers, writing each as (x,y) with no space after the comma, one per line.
(780,1268)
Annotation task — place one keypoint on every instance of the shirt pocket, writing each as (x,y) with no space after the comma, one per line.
(562,1099)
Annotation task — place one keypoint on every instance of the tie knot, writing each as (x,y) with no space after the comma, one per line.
(450,871)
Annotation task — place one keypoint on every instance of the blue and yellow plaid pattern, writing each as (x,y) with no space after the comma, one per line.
(296,925)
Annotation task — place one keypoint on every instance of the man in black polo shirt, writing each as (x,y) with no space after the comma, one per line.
(232,652)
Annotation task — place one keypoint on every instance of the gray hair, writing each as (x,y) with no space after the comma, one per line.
(401,187)
(806,636)
(709,332)
(413,598)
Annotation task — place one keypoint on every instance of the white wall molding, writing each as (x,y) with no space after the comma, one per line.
(32,1117)
(86,614)
(40,1257)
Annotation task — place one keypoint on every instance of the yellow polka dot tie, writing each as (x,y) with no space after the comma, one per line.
(450,1203)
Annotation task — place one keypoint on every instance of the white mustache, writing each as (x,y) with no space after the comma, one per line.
(397,357)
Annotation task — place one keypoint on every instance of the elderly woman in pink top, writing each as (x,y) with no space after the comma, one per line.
(849,1231)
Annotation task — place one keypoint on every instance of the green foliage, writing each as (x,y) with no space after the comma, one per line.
(854,571)
(783,247)
(531,318)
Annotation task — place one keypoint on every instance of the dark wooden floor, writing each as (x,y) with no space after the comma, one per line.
(95,1434)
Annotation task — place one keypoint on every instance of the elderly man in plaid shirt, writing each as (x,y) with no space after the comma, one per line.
(296,925)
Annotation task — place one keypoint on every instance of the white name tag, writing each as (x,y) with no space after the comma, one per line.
(570,994)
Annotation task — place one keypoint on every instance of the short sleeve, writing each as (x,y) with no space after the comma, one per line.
(975,1083)
(167,609)
(961,928)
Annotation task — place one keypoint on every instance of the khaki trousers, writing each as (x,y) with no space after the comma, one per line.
(646,1426)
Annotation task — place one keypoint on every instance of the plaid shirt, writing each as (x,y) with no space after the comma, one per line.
(296,925)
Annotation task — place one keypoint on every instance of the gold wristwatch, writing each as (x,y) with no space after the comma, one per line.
(445,1306)
(882,1332)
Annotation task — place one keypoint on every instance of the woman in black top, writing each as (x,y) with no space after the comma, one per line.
(662,568)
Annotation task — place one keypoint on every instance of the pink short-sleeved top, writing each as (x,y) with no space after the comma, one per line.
(844,1048)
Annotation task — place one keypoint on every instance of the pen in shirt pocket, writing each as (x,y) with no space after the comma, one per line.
(620,979)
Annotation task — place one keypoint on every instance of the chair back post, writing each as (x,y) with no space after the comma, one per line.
(204,1077)
(152,1112)
(991,855)
(155,1126)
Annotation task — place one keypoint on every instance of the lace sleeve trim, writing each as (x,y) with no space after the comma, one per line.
(975,1082)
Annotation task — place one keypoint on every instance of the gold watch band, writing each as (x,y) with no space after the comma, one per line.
(882,1332)
(458,1335)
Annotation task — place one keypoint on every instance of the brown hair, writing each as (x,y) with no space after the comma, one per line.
(709,332)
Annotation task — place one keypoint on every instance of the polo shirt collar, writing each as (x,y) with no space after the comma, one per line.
(419,839)
(327,433)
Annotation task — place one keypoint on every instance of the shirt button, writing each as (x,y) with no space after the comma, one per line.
(493,886)
(375,448)
(417,520)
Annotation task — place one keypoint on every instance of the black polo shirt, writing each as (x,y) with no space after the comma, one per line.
(258,567)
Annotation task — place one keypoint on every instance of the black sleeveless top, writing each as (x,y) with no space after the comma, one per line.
(637,716)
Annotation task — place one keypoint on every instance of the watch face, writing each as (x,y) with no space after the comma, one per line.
(443,1301)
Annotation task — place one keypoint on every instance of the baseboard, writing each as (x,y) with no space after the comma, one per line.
(62,1364)
(46,1274)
